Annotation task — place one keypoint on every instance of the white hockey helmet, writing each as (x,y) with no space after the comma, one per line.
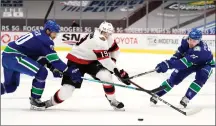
(106,27)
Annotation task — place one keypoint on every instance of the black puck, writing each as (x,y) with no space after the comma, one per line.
(140,119)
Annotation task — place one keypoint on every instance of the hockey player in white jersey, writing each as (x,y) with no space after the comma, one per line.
(95,54)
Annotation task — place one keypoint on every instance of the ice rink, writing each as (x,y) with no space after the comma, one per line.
(88,106)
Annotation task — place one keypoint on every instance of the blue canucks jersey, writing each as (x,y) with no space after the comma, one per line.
(197,56)
(34,45)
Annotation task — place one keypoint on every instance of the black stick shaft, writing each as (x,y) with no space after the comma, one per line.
(141,74)
(124,86)
(48,11)
(165,102)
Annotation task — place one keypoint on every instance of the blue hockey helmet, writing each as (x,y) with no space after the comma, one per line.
(195,34)
(52,26)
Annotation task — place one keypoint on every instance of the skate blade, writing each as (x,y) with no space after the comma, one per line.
(181,107)
(37,108)
(193,111)
(153,104)
(118,109)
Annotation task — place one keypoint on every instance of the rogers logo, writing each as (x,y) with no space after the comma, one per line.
(126,40)
(6,38)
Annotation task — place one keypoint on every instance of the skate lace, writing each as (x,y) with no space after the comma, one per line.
(154,98)
(185,100)
(38,100)
(115,102)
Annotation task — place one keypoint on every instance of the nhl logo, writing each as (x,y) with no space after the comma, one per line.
(152,40)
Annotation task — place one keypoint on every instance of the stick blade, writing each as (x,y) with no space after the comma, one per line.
(193,111)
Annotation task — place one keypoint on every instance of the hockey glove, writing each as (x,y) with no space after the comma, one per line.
(74,73)
(163,66)
(122,75)
(56,72)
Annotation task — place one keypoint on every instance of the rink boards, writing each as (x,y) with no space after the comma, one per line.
(133,43)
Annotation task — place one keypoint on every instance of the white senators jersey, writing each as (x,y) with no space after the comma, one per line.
(95,47)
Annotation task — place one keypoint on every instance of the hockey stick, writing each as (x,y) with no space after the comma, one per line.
(165,102)
(150,93)
(141,74)
(124,86)
(48,11)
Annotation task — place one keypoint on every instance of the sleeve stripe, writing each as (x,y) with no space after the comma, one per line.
(51,54)
(186,63)
(101,54)
(212,62)
(114,47)
(52,57)
(174,57)
(113,59)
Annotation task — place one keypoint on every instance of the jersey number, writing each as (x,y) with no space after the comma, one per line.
(24,38)
(104,54)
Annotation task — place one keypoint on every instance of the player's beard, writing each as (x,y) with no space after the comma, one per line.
(192,43)
(190,46)
(52,38)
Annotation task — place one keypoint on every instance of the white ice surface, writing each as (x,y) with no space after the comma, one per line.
(89,106)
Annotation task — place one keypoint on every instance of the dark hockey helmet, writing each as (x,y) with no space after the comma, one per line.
(52,26)
(195,34)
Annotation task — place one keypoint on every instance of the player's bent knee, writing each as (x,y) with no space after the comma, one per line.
(66,91)
(10,88)
(42,74)
(174,80)
(202,77)
(104,75)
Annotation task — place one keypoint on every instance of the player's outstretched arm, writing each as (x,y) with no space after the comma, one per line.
(104,58)
(56,62)
(43,61)
(114,51)
(183,63)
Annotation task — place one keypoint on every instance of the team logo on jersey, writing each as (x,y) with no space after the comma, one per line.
(193,56)
(197,48)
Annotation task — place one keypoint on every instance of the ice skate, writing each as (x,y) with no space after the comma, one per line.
(153,101)
(48,103)
(184,102)
(37,104)
(119,106)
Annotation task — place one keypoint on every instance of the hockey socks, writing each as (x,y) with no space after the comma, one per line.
(37,88)
(109,89)
(194,88)
(38,83)
(62,94)
(167,89)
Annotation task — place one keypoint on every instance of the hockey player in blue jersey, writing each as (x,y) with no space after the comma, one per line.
(21,56)
(192,56)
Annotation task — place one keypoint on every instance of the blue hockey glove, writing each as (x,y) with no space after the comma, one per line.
(74,74)
(163,66)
